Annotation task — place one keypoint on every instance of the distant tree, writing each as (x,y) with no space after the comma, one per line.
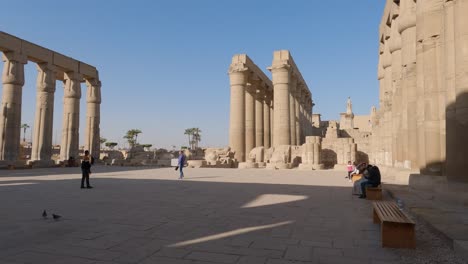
(146,146)
(189,133)
(196,138)
(24,127)
(102,141)
(132,136)
(111,145)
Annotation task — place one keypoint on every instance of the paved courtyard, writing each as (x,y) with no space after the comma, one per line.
(140,215)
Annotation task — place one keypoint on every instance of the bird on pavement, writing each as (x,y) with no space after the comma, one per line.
(44,214)
(56,217)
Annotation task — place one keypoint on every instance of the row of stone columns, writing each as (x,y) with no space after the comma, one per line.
(250,114)
(10,118)
(423,71)
(266,114)
(292,104)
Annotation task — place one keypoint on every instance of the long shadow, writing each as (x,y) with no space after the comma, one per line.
(126,215)
(70,170)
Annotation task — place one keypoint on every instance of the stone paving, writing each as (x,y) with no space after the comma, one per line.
(212,216)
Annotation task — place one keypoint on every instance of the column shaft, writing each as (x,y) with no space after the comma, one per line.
(292,110)
(10,118)
(238,81)
(266,121)
(250,118)
(43,123)
(259,129)
(71,116)
(93,117)
(434,95)
(457,154)
(298,116)
(282,128)
(407,28)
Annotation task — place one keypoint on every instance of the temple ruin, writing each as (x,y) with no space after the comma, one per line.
(420,124)
(51,66)
(267,114)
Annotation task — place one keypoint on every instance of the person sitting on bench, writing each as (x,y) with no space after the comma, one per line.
(372,179)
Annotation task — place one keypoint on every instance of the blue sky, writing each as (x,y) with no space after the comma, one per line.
(163,64)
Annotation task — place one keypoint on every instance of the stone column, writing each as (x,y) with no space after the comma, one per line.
(10,118)
(297,105)
(250,117)
(386,115)
(302,117)
(259,129)
(238,80)
(71,116)
(407,27)
(456,168)
(93,117)
(292,109)
(272,120)
(266,120)
(398,141)
(43,123)
(282,129)
(431,22)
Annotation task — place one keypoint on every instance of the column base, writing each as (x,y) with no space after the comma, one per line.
(311,166)
(41,163)
(278,166)
(247,165)
(341,167)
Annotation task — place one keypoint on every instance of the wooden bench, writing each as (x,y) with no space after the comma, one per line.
(374,193)
(397,229)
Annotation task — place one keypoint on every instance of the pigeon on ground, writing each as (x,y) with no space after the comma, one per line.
(44,214)
(56,217)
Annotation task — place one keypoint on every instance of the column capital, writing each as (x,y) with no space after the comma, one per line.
(72,85)
(46,77)
(13,69)
(281,74)
(94,91)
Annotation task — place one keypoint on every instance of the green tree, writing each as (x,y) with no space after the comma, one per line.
(24,127)
(189,133)
(111,145)
(196,138)
(132,136)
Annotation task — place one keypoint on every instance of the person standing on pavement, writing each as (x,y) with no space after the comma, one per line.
(181,163)
(86,170)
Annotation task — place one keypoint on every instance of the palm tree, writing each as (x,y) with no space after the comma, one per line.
(196,136)
(24,127)
(189,132)
(136,132)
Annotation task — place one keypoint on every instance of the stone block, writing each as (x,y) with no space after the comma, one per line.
(87,70)
(65,62)
(9,42)
(37,53)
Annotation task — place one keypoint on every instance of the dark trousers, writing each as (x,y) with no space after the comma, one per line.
(85,175)
(364,184)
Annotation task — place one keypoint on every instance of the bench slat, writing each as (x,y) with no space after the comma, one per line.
(389,212)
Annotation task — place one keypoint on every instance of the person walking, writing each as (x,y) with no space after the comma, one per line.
(181,163)
(86,170)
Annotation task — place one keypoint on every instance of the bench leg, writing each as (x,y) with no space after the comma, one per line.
(375,217)
(398,235)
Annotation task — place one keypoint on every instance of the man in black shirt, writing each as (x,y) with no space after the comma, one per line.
(373,179)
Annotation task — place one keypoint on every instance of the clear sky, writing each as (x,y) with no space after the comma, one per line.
(163,64)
